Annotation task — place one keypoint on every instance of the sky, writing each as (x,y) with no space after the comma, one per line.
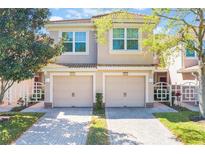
(80,13)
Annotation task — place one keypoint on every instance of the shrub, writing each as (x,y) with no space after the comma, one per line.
(99,100)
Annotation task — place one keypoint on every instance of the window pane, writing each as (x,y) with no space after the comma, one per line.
(190,53)
(132,44)
(67,47)
(67,36)
(80,36)
(118,33)
(204,46)
(132,33)
(118,44)
(80,47)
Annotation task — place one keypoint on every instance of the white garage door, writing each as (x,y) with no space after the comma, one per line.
(123,91)
(71,91)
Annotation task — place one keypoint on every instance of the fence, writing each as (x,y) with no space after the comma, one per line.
(26,90)
(187,92)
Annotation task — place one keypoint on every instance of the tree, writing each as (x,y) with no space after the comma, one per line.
(105,22)
(24,45)
(185,27)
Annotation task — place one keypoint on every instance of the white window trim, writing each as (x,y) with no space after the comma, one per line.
(73,52)
(125,51)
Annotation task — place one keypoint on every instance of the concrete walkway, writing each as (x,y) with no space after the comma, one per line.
(138,126)
(59,126)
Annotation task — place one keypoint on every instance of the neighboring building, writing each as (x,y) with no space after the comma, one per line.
(183,68)
(122,70)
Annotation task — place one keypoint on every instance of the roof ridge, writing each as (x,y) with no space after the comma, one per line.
(96,16)
(63,20)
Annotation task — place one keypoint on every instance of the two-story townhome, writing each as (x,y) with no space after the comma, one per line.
(122,69)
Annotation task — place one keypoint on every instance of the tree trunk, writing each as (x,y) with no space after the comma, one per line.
(1,98)
(4,87)
(202,91)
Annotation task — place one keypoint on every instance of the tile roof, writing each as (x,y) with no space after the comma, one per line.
(101,15)
(71,21)
(81,65)
(125,65)
(59,65)
(89,19)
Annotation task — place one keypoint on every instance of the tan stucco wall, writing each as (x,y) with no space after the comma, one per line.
(106,56)
(101,53)
(190,62)
(188,76)
(92,48)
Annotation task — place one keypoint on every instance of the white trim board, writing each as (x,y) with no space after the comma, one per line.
(146,75)
(70,74)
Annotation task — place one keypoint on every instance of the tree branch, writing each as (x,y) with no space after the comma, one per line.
(9,86)
(176,19)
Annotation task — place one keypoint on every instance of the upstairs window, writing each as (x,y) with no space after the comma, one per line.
(80,41)
(119,39)
(74,42)
(132,39)
(190,54)
(125,39)
(67,41)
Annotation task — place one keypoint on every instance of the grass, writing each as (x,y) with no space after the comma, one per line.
(17,124)
(98,133)
(186,131)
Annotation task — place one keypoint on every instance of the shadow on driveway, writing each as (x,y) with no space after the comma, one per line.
(60,126)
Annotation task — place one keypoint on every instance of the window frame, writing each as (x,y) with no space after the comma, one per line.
(74,41)
(118,39)
(125,50)
(195,55)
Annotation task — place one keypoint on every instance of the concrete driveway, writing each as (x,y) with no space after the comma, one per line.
(60,126)
(137,126)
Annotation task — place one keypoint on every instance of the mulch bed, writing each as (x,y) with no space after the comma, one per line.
(197,119)
(20,108)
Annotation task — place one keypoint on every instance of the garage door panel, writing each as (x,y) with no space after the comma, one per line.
(72,91)
(124,91)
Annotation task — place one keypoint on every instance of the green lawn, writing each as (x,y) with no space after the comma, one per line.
(98,133)
(18,123)
(187,131)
